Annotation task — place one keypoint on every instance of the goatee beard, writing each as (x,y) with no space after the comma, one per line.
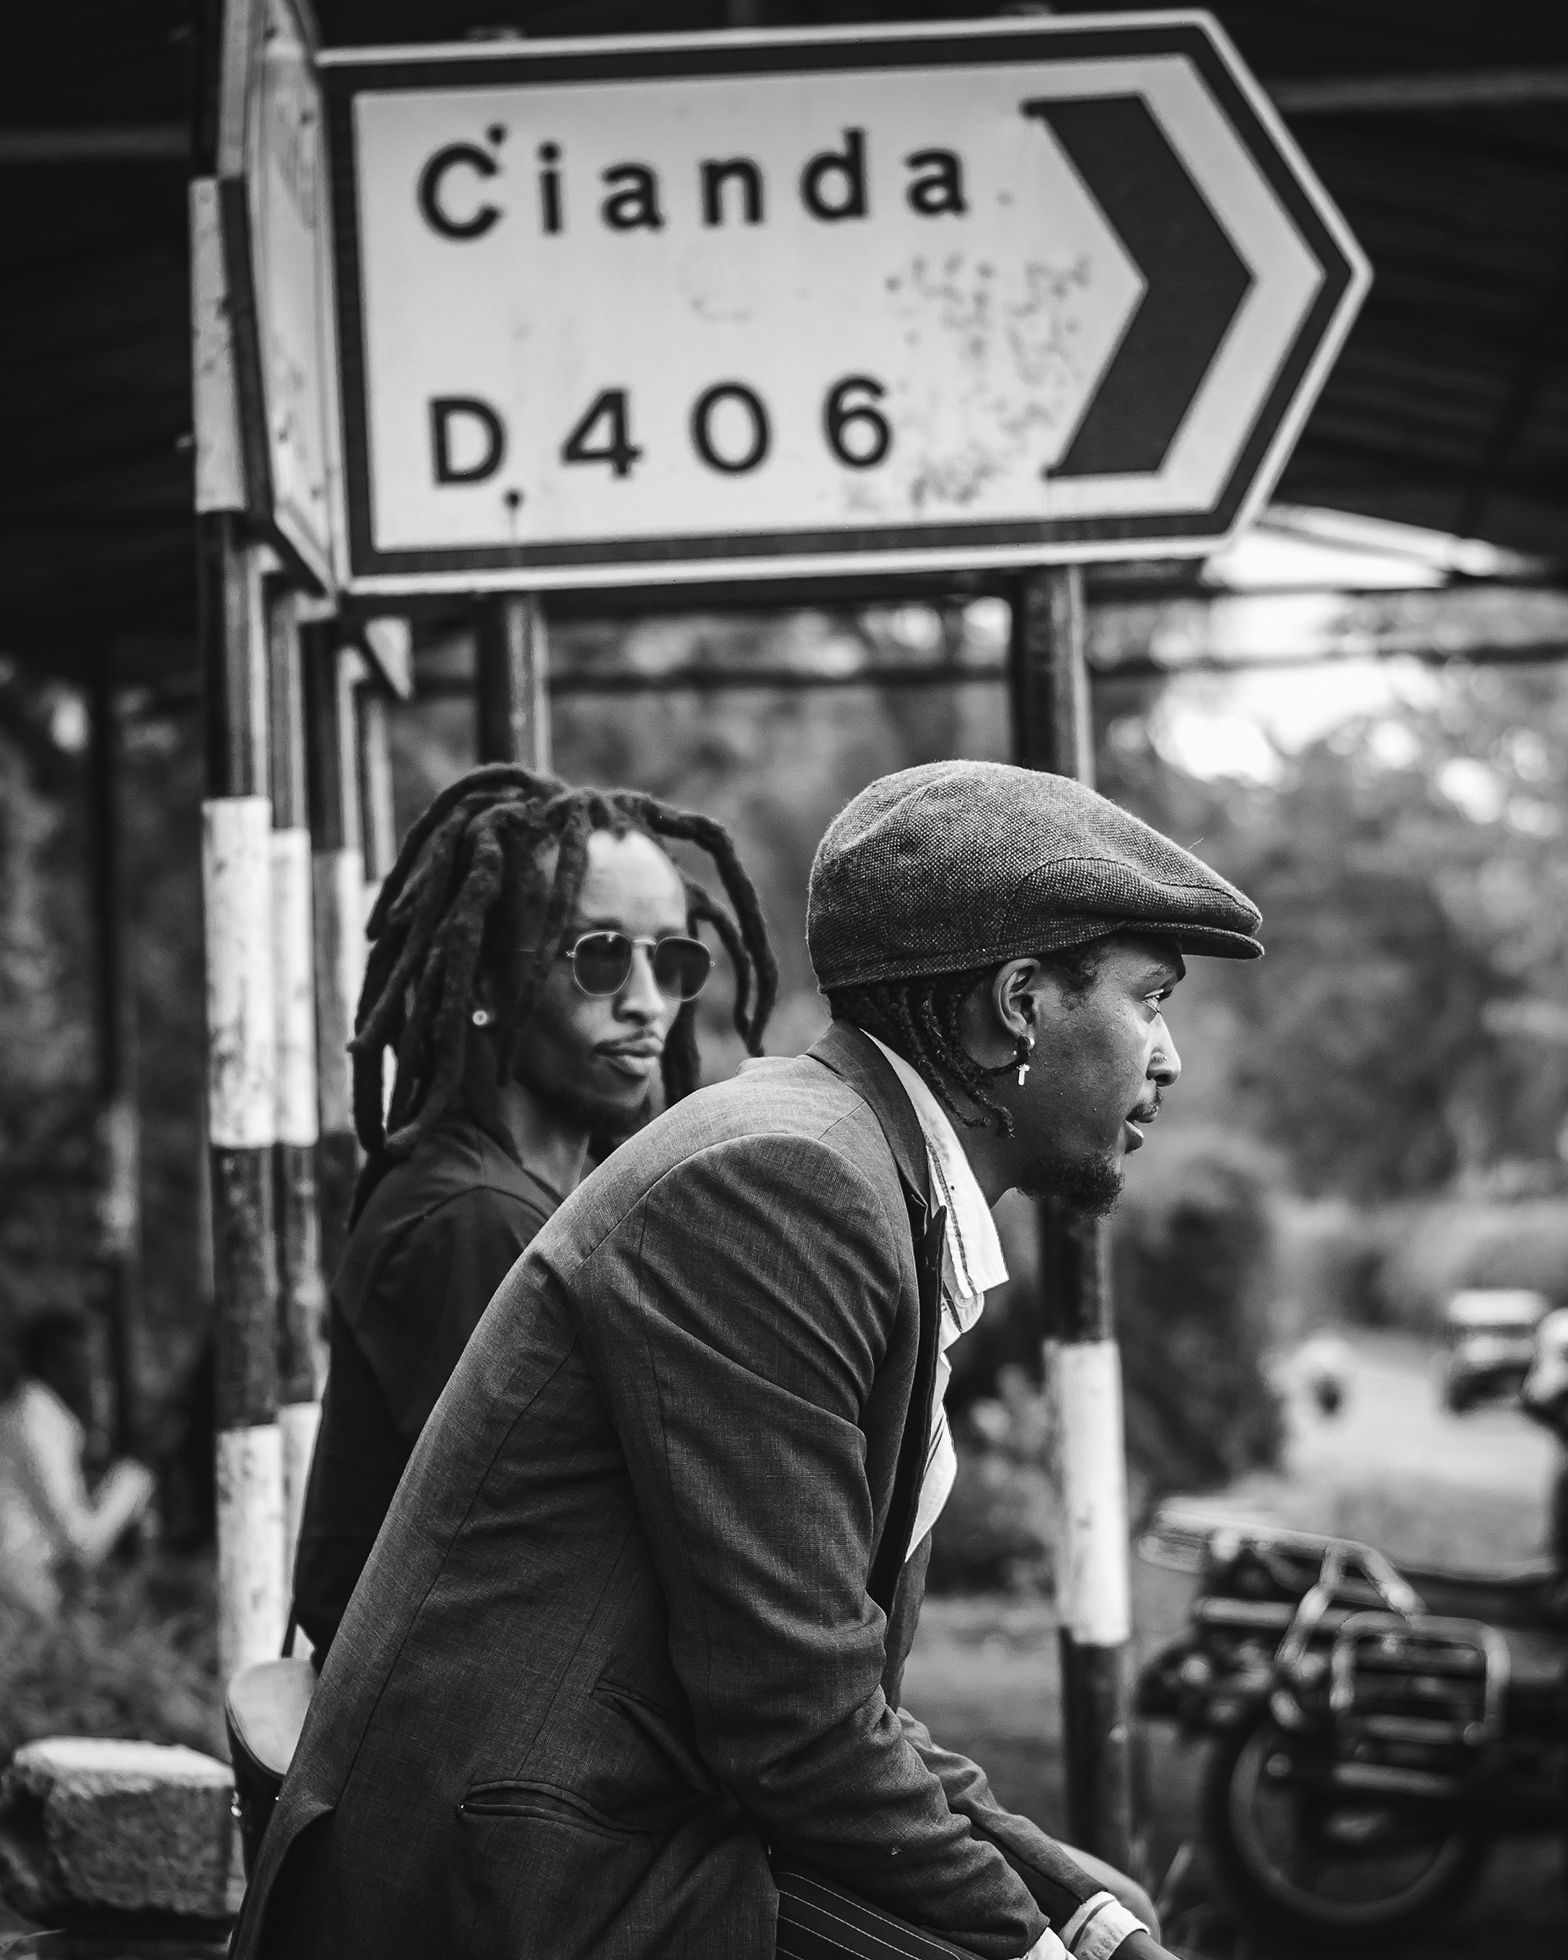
(607,1120)
(1090,1186)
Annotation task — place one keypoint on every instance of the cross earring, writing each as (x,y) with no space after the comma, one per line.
(1025,1055)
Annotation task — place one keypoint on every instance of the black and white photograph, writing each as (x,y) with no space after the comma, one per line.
(783,980)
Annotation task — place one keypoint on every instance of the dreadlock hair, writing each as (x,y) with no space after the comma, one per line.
(918,1019)
(469,877)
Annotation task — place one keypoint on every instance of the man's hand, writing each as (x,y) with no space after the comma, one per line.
(1142,1946)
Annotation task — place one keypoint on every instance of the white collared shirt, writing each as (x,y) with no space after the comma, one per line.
(972,1262)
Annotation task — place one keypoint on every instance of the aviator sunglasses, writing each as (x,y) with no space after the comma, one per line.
(602,963)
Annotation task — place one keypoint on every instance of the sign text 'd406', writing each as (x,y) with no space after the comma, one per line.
(704,307)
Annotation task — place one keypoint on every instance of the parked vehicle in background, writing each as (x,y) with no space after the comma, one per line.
(1491,1342)
(1321,1368)
(1368,1742)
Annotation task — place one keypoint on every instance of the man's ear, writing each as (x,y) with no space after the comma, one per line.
(1012,995)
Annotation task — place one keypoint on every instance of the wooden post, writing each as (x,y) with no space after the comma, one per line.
(512,681)
(119,1130)
(241,1091)
(300,1291)
(338,884)
(1053,730)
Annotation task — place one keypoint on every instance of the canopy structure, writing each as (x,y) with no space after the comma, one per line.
(1441,132)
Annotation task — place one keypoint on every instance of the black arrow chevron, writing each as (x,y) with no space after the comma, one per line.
(1194,281)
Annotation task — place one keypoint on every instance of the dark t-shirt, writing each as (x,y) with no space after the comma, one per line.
(436,1238)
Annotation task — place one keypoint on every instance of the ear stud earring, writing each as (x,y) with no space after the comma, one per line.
(481,1017)
(1025,1057)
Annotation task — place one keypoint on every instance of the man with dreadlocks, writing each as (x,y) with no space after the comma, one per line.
(534,964)
(622,1678)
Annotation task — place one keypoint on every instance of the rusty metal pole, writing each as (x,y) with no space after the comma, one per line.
(300,1292)
(512,681)
(338,882)
(1052,730)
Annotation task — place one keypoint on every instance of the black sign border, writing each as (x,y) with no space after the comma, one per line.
(348,75)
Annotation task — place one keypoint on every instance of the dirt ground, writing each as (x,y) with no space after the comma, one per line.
(1394,1469)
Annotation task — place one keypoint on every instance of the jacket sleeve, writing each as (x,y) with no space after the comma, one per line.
(736,1319)
(1059,1885)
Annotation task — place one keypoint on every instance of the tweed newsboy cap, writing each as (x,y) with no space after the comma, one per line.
(956,864)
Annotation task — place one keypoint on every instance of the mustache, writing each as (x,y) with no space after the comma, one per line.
(1147,1111)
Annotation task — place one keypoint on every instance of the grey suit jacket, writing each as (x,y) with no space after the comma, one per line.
(639,1613)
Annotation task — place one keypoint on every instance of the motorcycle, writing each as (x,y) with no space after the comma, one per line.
(1364,1750)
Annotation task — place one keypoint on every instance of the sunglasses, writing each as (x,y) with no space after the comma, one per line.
(602,964)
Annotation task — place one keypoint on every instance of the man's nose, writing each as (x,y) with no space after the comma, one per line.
(640,999)
(1164,1063)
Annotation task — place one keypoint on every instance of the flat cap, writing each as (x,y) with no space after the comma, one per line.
(958,864)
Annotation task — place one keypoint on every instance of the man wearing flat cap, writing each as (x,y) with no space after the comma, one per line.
(622,1676)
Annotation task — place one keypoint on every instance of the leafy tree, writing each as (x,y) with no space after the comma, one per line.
(1408,1021)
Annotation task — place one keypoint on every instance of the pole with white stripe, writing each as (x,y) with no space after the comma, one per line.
(338,890)
(300,1293)
(241,1025)
(1052,730)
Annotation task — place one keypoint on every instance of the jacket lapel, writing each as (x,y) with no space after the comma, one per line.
(859,1062)
(857,1058)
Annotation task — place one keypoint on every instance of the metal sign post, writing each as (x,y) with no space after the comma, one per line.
(338,894)
(693,308)
(512,681)
(241,1025)
(241,1097)
(1053,730)
(264,405)
(297,1127)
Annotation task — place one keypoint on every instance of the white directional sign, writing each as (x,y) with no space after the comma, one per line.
(722,307)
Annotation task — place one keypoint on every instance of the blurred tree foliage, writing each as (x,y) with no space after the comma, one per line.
(49,1145)
(46,1107)
(1411,1019)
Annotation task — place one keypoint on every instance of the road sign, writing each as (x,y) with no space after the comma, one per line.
(700,307)
(274,206)
(289,206)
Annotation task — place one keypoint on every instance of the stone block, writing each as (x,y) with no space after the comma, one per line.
(93,1829)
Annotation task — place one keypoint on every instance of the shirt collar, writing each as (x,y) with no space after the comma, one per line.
(973,1245)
